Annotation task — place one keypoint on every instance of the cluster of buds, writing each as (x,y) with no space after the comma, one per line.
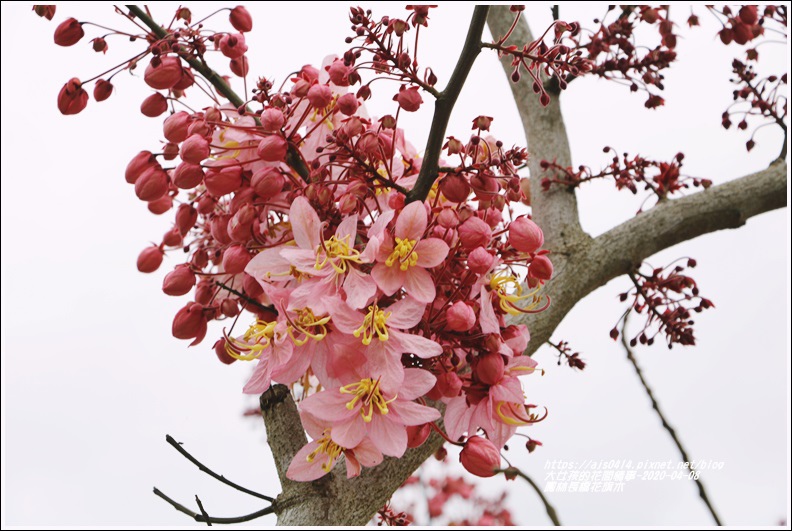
(667,298)
(296,207)
(565,354)
(663,179)
(615,55)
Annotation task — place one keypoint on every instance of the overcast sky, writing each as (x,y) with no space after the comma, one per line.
(93,380)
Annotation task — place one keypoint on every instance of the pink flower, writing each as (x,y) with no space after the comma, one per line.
(369,408)
(480,457)
(403,263)
(319,456)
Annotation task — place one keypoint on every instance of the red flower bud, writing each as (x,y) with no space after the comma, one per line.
(69,32)
(149,259)
(455,188)
(172,238)
(339,73)
(223,180)
(480,261)
(163,73)
(187,176)
(252,286)
(140,163)
(235,259)
(474,233)
(482,122)
(190,323)
(460,317)
(417,435)
(179,281)
(348,104)
(195,149)
(525,235)
(221,352)
(186,216)
(175,127)
(102,90)
(408,99)
(241,19)
(72,98)
(319,96)
(449,384)
(161,205)
(154,105)
(480,457)
(267,182)
(99,45)
(272,120)
(273,148)
(152,184)
(490,367)
(229,308)
(541,268)
(46,11)
(749,15)
(448,218)
(240,66)
(233,46)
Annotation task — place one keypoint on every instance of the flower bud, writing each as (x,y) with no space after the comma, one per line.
(348,104)
(69,32)
(154,105)
(186,80)
(161,205)
(72,98)
(204,292)
(46,11)
(221,352)
(267,182)
(474,233)
(241,19)
(233,46)
(455,188)
(235,259)
(417,435)
(175,127)
(480,261)
(541,268)
(448,218)
(490,367)
(272,120)
(223,180)
(273,148)
(408,99)
(195,149)
(525,235)
(240,66)
(229,308)
(319,96)
(190,323)
(480,457)
(186,216)
(139,163)
(460,317)
(172,238)
(163,73)
(339,73)
(152,184)
(449,384)
(149,259)
(102,90)
(179,281)
(252,286)
(187,175)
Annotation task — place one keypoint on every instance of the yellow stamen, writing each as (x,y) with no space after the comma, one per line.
(375,322)
(257,338)
(404,254)
(309,325)
(327,447)
(509,291)
(336,252)
(370,395)
(515,414)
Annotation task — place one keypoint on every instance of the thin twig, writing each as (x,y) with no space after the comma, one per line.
(444,104)
(293,157)
(213,519)
(249,300)
(551,512)
(215,475)
(203,511)
(666,425)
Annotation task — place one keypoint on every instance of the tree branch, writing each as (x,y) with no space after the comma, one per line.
(683,454)
(620,250)
(444,104)
(551,512)
(213,519)
(555,210)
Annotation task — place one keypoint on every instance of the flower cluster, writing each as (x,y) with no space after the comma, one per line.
(296,206)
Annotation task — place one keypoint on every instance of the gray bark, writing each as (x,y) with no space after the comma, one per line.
(582,264)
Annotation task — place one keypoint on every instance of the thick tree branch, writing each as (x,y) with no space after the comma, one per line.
(444,104)
(556,210)
(620,250)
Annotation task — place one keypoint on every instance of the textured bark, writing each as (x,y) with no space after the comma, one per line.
(582,264)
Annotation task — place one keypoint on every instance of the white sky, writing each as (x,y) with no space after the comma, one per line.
(93,380)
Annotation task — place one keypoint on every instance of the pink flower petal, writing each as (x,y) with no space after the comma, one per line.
(348,229)
(349,432)
(368,455)
(418,283)
(417,382)
(267,263)
(411,223)
(405,313)
(487,319)
(412,414)
(260,380)
(302,470)
(329,406)
(457,417)
(343,317)
(305,224)
(389,437)
(415,344)
(431,252)
(390,279)
(303,259)
(359,288)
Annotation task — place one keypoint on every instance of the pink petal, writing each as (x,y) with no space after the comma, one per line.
(405,313)
(260,380)
(343,317)
(314,426)
(385,365)
(349,432)
(487,319)
(303,259)
(417,382)
(329,406)
(520,365)
(359,288)
(412,414)
(457,417)
(366,452)
(390,279)
(412,221)
(301,470)
(305,224)
(315,294)
(348,228)
(431,252)
(353,467)
(378,227)
(389,437)
(267,263)
(415,344)
(292,371)
(418,283)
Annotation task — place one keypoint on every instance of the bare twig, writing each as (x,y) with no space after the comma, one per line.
(444,104)
(213,519)
(215,475)
(514,471)
(666,425)
(203,511)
